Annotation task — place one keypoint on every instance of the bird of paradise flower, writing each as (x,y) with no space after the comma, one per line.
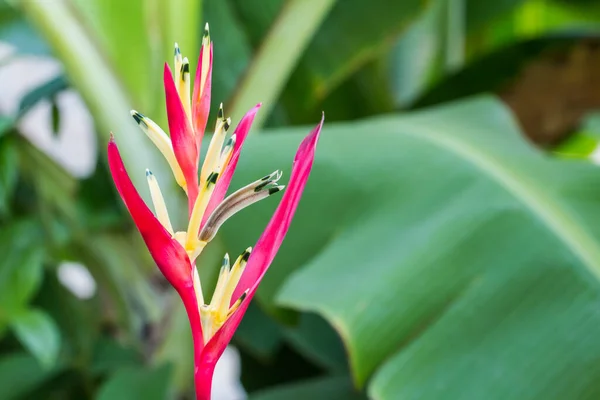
(212,323)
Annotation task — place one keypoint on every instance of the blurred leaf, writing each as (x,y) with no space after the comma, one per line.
(20,374)
(120,29)
(314,338)
(354,33)
(5,124)
(79,320)
(55,117)
(480,13)
(20,265)
(258,333)
(591,124)
(54,187)
(8,172)
(45,91)
(110,355)
(491,72)
(418,267)
(16,31)
(232,51)
(492,29)
(136,384)
(256,21)
(529,20)
(580,145)
(89,70)
(177,347)
(278,55)
(98,206)
(117,263)
(285,366)
(137,37)
(418,53)
(333,388)
(39,334)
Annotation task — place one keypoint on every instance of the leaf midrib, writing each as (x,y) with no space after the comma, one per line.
(542,205)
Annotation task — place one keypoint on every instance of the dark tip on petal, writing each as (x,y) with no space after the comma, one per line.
(275,189)
(139,118)
(148,172)
(206,30)
(262,185)
(244,295)
(226,124)
(220,115)
(177,51)
(246,254)
(185,68)
(212,178)
(225,260)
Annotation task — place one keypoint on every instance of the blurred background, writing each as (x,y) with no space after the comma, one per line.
(447,245)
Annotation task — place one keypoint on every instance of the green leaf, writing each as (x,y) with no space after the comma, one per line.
(20,265)
(39,334)
(138,36)
(315,339)
(258,333)
(480,13)
(450,253)
(23,372)
(331,388)
(55,117)
(232,51)
(580,145)
(16,31)
(109,355)
(492,71)
(8,172)
(90,70)
(137,384)
(177,349)
(45,91)
(417,54)
(119,29)
(6,123)
(80,321)
(354,33)
(280,51)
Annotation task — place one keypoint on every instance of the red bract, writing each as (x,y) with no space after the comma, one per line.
(213,323)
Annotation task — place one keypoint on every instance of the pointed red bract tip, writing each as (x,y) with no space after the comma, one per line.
(182,137)
(309,143)
(267,246)
(170,257)
(201,101)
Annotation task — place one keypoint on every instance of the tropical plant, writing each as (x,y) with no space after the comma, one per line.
(441,248)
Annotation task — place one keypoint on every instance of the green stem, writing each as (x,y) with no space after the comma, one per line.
(278,56)
(97,83)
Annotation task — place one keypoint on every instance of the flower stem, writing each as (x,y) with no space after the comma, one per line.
(203,376)
(203,372)
(277,56)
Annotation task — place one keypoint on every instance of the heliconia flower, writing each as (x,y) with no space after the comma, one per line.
(213,322)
